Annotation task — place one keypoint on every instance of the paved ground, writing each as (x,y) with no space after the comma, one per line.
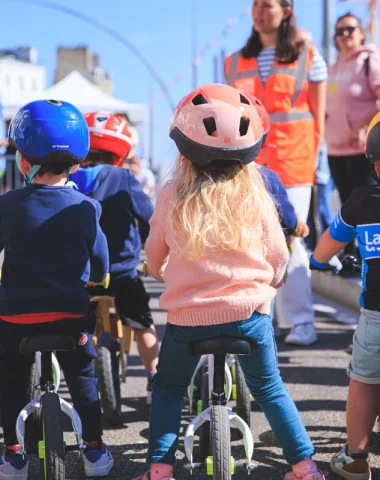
(315,377)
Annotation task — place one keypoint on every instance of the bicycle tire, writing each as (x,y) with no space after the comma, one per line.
(107,372)
(53,463)
(243,400)
(221,443)
(204,430)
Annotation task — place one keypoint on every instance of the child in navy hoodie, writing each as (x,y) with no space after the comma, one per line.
(124,207)
(53,245)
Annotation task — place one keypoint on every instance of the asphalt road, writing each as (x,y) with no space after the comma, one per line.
(315,377)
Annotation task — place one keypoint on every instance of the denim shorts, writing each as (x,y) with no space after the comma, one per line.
(365,364)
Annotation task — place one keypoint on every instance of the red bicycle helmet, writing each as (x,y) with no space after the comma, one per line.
(109,133)
(217,122)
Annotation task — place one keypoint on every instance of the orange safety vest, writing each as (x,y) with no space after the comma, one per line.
(291,145)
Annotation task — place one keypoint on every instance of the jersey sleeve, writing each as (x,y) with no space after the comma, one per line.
(343,227)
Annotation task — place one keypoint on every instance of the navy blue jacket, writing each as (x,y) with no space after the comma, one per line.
(285,209)
(124,203)
(52,246)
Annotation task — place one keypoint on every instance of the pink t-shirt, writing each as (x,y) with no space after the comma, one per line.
(351,96)
(228,285)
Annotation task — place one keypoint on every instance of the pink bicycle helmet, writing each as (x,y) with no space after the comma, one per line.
(217,123)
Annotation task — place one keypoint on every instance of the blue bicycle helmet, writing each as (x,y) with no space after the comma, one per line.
(49,131)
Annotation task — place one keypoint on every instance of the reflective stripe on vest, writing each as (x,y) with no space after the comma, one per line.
(292,116)
(301,74)
(234,74)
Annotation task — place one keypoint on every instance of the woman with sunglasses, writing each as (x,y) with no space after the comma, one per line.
(352,101)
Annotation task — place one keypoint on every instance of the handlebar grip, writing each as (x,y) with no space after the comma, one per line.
(145,268)
(104,283)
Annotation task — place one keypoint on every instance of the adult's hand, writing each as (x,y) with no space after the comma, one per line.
(357,138)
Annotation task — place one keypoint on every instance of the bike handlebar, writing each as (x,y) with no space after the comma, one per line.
(350,264)
(104,283)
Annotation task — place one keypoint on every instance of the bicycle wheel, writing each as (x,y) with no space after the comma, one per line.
(51,449)
(204,430)
(221,443)
(107,371)
(243,400)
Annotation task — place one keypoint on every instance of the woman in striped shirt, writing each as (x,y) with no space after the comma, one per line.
(289,76)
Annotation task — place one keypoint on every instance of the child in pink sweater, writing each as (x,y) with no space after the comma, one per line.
(216,242)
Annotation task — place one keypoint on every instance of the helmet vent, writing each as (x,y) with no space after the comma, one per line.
(244,124)
(58,103)
(244,99)
(101,118)
(210,126)
(199,100)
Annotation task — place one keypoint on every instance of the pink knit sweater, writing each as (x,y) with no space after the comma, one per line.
(226,286)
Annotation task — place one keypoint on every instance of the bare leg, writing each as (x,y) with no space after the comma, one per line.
(362,410)
(148,347)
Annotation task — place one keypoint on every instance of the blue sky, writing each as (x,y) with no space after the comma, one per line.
(162,30)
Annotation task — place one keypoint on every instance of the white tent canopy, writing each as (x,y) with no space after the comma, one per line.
(79,91)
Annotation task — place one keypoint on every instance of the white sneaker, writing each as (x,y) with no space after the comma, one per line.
(302,335)
(346,467)
(97,463)
(13,467)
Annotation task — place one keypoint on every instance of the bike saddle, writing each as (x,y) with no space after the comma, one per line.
(47,343)
(221,345)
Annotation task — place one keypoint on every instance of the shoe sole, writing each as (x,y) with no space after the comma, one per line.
(100,471)
(350,476)
(299,344)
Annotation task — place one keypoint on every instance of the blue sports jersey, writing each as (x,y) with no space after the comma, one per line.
(360,217)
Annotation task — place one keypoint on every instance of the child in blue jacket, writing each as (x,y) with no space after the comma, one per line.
(125,206)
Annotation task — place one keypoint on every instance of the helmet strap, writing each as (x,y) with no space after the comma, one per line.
(28,176)
(68,177)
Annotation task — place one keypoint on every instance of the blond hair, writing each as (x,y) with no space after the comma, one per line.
(216,207)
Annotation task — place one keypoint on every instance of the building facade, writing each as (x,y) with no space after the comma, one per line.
(21,78)
(86,62)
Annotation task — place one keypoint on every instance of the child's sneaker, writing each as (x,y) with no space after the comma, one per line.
(13,466)
(309,476)
(349,468)
(98,460)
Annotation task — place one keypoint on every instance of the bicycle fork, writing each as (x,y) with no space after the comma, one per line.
(217,365)
(44,365)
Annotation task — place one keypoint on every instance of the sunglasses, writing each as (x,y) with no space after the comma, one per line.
(339,32)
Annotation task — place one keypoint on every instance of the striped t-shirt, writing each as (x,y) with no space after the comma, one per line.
(265,60)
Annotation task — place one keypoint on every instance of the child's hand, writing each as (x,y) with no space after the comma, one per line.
(302,230)
(104,283)
(333,264)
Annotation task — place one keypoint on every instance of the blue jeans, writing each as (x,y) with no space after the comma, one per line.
(176,367)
